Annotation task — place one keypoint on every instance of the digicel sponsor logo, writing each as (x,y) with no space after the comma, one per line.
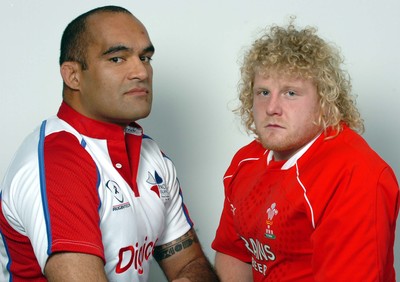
(134,256)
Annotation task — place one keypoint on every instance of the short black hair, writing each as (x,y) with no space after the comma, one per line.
(75,38)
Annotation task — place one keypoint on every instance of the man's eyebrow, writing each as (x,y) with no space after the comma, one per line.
(117,48)
(149,49)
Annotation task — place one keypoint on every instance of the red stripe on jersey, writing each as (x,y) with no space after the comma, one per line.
(22,260)
(72,195)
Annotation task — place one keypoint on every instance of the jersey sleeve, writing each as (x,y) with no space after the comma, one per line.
(70,196)
(355,236)
(227,240)
(177,218)
(52,198)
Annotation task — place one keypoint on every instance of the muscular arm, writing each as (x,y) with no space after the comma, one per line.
(184,258)
(74,267)
(230,269)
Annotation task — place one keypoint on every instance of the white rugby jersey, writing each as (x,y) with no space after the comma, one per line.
(79,185)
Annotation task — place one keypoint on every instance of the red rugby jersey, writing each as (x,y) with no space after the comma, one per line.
(327,214)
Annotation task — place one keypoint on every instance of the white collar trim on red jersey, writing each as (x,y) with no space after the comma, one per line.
(293,160)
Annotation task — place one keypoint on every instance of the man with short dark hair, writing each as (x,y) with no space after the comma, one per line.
(88,196)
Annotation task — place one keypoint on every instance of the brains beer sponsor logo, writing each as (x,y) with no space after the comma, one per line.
(261,254)
(259,250)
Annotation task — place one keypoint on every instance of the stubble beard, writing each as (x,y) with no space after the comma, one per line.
(287,143)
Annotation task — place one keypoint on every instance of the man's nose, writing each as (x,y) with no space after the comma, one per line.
(138,69)
(273,105)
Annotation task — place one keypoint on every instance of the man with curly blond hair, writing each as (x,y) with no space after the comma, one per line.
(308,199)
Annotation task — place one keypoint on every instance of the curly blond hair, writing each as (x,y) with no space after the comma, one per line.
(300,53)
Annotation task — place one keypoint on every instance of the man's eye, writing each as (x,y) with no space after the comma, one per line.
(291,93)
(145,59)
(116,60)
(264,92)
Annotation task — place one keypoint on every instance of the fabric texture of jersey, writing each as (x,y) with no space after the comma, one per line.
(327,214)
(79,185)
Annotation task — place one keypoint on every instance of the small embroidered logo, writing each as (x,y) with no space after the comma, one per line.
(271,212)
(233,209)
(114,188)
(159,186)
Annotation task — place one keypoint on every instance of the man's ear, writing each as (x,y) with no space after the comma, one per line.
(70,72)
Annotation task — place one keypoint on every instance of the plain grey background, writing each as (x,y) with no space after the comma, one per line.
(198,44)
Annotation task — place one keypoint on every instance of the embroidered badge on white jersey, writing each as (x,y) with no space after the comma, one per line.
(159,186)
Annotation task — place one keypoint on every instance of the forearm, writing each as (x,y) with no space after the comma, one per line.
(230,269)
(70,267)
(183,260)
(199,270)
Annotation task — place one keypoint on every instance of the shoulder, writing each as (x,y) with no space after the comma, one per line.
(49,140)
(152,153)
(64,157)
(60,141)
(153,158)
(351,148)
(245,156)
(150,146)
(248,153)
(346,156)
(254,148)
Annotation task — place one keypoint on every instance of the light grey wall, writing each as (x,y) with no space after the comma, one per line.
(198,44)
